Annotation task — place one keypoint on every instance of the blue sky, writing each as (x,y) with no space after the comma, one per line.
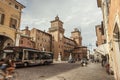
(81,14)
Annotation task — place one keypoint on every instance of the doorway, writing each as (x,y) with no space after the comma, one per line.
(5,41)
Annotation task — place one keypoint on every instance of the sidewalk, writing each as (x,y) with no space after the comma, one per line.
(93,71)
(60,61)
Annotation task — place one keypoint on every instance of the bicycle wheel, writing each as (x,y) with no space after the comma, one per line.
(14,76)
(2,75)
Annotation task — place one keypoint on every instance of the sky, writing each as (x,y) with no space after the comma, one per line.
(81,14)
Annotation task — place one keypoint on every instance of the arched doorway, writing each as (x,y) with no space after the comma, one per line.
(5,41)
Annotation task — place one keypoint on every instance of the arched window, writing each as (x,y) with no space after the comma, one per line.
(116,35)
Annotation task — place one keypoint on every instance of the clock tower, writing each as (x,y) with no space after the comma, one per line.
(57,32)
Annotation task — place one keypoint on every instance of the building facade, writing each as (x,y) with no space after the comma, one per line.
(114,35)
(36,39)
(104,5)
(69,46)
(80,52)
(42,39)
(57,32)
(63,45)
(100,35)
(55,41)
(76,36)
(26,39)
(10,16)
(111,16)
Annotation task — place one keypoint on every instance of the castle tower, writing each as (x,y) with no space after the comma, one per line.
(57,32)
(76,35)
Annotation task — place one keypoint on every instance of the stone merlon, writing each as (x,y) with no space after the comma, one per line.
(99,3)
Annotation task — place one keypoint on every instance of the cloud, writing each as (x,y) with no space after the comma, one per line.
(24,2)
(83,14)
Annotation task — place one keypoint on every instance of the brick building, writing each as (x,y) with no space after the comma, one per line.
(69,46)
(111,19)
(57,31)
(63,45)
(25,39)
(100,35)
(114,35)
(42,39)
(36,39)
(10,16)
(55,41)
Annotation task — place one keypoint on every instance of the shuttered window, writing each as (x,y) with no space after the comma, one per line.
(2,19)
(13,23)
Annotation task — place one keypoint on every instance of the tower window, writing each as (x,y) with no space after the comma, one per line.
(2,18)
(10,3)
(16,6)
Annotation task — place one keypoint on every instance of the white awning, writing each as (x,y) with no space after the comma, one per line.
(102,49)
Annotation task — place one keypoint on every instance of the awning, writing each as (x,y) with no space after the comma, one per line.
(102,49)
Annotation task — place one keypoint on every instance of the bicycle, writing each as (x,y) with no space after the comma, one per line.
(13,76)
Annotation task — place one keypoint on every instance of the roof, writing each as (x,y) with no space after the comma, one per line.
(19,3)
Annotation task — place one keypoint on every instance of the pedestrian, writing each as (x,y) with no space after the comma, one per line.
(108,68)
(104,59)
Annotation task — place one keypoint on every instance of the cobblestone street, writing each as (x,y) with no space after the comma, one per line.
(64,71)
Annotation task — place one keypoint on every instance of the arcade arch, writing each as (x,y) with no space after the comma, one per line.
(5,41)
